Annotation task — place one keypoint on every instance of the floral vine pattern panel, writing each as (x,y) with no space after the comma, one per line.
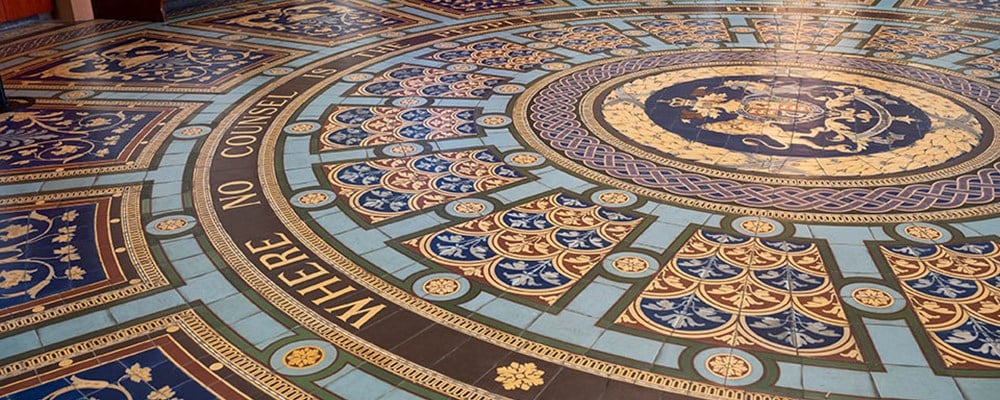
(732,290)
(388,188)
(954,290)
(537,250)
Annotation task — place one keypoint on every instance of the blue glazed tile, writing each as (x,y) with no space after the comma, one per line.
(826,380)
(595,299)
(146,306)
(181,248)
(260,330)
(362,241)
(896,345)
(658,236)
(520,191)
(854,261)
(207,288)
(914,383)
(404,273)
(193,266)
(167,204)
(509,312)
(841,234)
(639,349)
(669,355)
(569,327)
(357,384)
(790,376)
(233,308)
(399,394)
(70,183)
(72,328)
(19,343)
(478,302)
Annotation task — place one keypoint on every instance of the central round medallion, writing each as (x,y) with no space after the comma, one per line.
(786,116)
(781,122)
(815,138)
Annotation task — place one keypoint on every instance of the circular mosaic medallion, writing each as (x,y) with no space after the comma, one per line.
(624,52)
(278,71)
(980,73)
(462,67)
(873,298)
(756,226)
(923,233)
(979,51)
(541,45)
(358,77)
(313,198)
(524,159)
(77,94)
(192,131)
(447,45)
(302,128)
(469,208)
(441,287)
(724,149)
(816,140)
(728,366)
(410,101)
(557,66)
(614,198)
(508,88)
(402,150)
(170,225)
(493,121)
(303,357)
(630,265)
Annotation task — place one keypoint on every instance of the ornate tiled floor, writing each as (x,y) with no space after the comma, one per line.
(530,199)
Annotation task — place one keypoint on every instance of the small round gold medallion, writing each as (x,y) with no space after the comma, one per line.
(728,366)
(872,297)
(923,232)
(303,357)
(301,127)
(313,198)
(441,286)
(630,264)
(613,198)
(171,224)
(757,226)
(192,131)
(469,207)
(493,121)
(524,159)
(403,149)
